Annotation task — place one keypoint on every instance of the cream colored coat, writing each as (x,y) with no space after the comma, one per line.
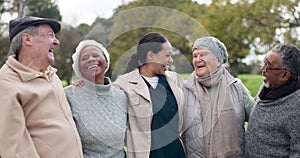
(35,117)
(140,110)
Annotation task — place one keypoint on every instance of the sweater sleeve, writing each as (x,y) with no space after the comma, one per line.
(14,134)
(295,144)
(248,101)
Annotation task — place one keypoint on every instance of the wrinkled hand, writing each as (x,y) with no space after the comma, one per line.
(78,83)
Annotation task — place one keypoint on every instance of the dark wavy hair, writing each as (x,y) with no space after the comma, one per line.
(149,42)
(289,58)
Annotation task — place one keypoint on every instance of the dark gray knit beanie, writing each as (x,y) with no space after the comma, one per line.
(214,45)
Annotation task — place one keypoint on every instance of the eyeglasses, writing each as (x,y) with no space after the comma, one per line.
(267,69)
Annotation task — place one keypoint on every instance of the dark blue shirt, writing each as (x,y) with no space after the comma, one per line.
(164,126)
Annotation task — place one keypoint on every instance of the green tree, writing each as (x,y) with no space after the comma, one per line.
(132,21)
(43,8)
(244,24)
(69,38)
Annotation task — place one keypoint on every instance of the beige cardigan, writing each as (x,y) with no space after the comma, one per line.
(35,117)
(140,110)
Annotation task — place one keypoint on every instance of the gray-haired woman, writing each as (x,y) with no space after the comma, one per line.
(99,109)
(216,104)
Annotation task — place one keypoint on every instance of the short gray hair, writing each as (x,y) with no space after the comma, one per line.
(289,58)
(16,43)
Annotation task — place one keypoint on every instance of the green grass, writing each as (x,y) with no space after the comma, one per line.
(251,81)
(185,76)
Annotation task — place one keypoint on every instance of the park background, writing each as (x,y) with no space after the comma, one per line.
(248,28)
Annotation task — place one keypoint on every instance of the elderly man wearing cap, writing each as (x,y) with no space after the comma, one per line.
(99,109)
(216,104)
(35,117)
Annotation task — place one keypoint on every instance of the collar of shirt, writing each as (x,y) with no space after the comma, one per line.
(44,74)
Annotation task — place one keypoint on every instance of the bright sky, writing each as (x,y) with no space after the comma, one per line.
(75,12)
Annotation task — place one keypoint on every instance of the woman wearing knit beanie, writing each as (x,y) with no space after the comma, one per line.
(99,109)
(216,105)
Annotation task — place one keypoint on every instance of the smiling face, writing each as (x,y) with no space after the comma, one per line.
(42,45)
(92,63)
(159,62)
(204,62)
(276,75)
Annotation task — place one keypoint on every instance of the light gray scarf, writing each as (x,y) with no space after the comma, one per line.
(218,115)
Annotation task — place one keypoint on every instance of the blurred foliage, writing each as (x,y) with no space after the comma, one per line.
(244,26)
(252,82)
(43,8)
